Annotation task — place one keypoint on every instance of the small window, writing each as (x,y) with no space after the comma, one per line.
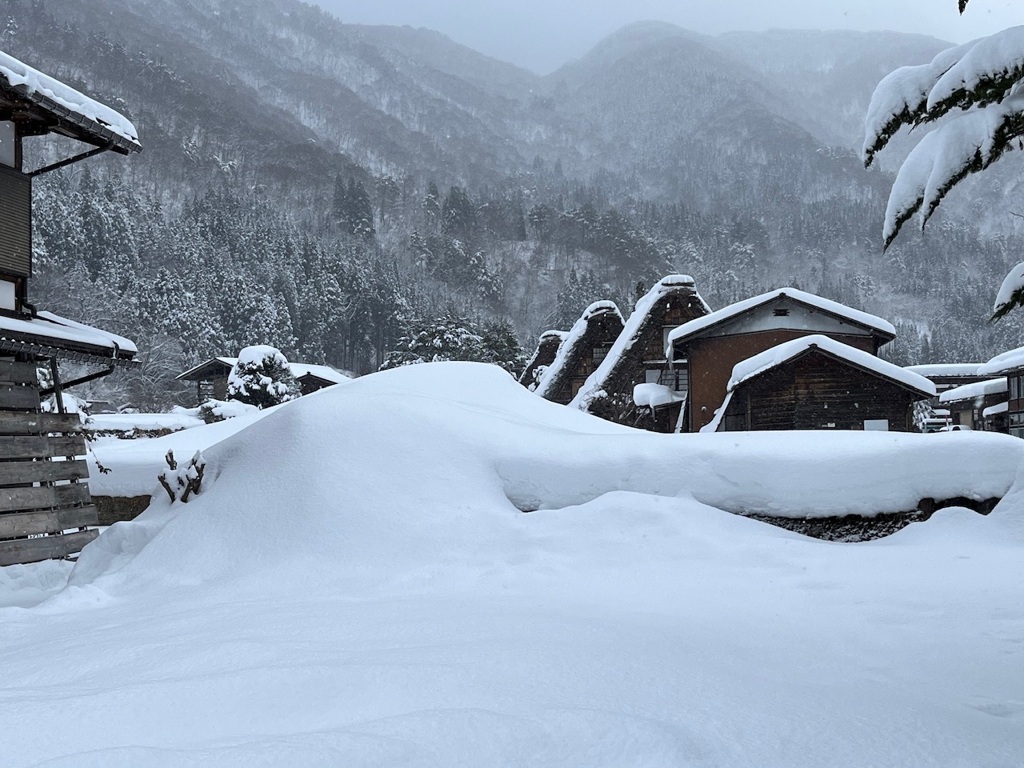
(781,312)
(7,151)
(876,425)
(600,353)
(652,376)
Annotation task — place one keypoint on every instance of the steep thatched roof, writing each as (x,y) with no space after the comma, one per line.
(543,356)
(608,392)
(599,326)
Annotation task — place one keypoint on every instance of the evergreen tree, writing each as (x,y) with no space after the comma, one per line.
(261,377)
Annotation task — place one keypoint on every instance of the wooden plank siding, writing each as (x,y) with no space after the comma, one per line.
(33,550)
(45,512)
(817,391)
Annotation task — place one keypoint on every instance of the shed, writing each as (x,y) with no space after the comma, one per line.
(45,507)
(543,356)
(638,357)
(816,382)
(712,345)
(211,377)
(582,350)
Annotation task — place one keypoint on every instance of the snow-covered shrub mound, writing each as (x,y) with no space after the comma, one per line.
(424,464)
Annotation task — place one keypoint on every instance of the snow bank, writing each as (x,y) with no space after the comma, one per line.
(654,395)
(354,587)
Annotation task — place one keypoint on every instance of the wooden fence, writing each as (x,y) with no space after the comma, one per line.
(45,508)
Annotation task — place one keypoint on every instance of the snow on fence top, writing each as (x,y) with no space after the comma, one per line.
(65,102)
(552,376)
(758,364)
(594,385)
(842,311)
(1007,361)
(974,391)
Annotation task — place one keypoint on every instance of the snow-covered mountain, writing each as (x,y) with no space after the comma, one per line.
(732,158)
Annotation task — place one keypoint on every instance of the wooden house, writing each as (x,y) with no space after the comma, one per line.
(933,416)
(211,377)
(1011,366)
(815,382)
(45,506)
(543,356)
(967,404)
(582,350)
(638,357)
(709,347)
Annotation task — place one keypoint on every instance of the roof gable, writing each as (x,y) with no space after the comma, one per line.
(761,363)
(758,313)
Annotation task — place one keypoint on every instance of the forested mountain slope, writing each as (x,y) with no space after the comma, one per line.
(330,188)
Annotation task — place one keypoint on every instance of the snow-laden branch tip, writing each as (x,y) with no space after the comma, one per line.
(966,144)
(901,98)
(1011,293)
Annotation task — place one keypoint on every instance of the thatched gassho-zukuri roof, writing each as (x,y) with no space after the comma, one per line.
(600,324)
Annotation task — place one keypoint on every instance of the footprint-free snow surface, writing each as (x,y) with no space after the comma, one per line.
(357,586)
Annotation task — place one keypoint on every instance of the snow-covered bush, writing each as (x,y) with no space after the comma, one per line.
(219,410)
(262,378)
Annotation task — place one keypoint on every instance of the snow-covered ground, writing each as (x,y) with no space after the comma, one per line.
(355,587)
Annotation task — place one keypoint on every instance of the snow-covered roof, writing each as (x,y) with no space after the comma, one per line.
(975,390)
(298,370)
(551,378)
(94,120)
(995,410)
(324,372)
(770,358)
(594,384)
(841,311)
(49,331)
(1007,361)
(946,370)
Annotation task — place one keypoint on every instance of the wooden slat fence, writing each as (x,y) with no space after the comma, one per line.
(45,508)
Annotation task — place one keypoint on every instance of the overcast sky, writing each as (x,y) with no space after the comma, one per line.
(543,34)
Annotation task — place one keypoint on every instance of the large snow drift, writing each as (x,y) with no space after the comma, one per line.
(356,586)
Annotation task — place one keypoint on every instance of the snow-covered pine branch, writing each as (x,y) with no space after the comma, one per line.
(981,78)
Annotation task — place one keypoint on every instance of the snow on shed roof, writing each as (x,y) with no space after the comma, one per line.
(97,121)
(764,361)
(51,331)
(975,390)
(298,370)
(1007,361)
(594,384)
(701,324)
(946,370)
(552,376)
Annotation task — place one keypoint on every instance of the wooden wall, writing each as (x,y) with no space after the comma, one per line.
(45,508)
(818,391)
